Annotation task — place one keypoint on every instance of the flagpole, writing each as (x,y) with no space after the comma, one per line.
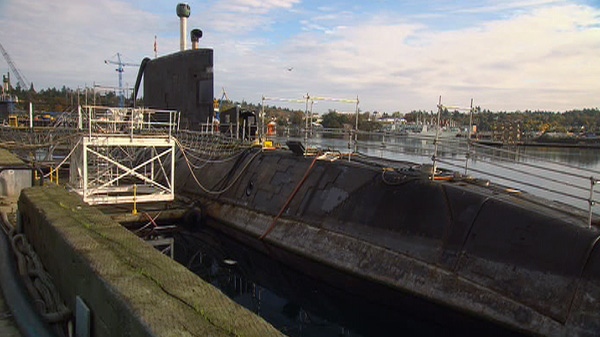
(155,48)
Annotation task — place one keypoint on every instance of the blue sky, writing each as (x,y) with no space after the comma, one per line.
(393,55)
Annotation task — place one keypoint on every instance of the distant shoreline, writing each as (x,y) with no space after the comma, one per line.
(561,144)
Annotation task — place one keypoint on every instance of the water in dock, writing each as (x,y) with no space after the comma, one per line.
(300,306)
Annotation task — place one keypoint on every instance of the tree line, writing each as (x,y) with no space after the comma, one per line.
(578,121)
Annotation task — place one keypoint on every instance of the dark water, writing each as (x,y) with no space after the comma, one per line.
(294,304)
(298,305)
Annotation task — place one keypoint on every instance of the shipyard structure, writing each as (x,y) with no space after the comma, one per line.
(8,101)
(410,238)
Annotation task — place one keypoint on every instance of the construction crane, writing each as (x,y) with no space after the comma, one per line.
(22,82)
(120,70)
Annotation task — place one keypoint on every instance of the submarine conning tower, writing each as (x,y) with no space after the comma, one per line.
(183,80)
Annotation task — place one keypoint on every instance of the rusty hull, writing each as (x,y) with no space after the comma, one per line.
(460,244)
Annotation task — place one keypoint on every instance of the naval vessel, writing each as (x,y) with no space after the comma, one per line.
(412,237)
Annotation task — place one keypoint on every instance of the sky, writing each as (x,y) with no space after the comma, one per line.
(392,55)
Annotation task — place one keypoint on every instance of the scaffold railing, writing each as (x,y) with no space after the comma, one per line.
(127,120)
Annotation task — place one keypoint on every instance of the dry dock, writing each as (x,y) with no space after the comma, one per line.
(130,288)
(113,282)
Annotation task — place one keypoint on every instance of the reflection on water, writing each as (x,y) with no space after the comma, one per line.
(300,306)
(378,144)
(263,286)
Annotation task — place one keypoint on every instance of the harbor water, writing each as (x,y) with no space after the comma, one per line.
(561,174)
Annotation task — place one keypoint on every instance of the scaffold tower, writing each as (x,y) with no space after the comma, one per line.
(126,156)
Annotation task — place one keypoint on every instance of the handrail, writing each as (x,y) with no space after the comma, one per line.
(125,120)
(536,158)
(519,182)
(448,149)
(543,168)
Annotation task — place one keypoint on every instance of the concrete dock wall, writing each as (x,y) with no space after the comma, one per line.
(130,288)
(15,175)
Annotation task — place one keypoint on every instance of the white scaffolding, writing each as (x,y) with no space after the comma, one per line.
(127,156)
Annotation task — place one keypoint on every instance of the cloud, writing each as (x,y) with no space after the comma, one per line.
(66,42)
(544,58)
(256,6)
(244,16)
(495,6)
(539,54)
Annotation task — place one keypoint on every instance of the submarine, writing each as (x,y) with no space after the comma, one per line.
(409,237)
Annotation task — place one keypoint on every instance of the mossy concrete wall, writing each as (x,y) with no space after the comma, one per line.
(130,288)
(7,158)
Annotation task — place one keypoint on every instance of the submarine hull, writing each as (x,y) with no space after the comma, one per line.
(360,305)
(456,245)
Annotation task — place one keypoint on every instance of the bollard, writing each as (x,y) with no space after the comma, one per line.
(134,212)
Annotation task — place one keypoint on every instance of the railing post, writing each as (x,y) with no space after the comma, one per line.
(131,122)
(467,157)
(79,118)
(468,154)
(591,202)
(90,115)
(436,140)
